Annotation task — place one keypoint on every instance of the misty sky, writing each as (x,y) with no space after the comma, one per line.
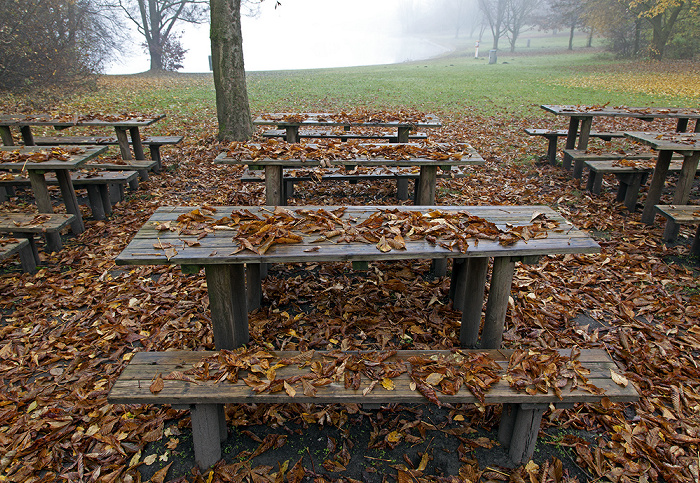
(305,34)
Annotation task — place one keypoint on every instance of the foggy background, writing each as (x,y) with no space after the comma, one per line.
(303,34)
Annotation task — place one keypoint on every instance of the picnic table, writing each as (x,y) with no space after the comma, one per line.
(425,186)
(291,122)
(61,160)
(173,236)
(685,144)
(122,125)
(582,117)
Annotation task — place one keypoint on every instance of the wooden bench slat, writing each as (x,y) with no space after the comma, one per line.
(102,140)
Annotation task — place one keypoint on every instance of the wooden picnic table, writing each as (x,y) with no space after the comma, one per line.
(426,180)
(291,122)
(582,117)
(121,124)
(161,241)
(685,144)
(36,171)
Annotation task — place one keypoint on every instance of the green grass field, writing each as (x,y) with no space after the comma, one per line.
(456,83)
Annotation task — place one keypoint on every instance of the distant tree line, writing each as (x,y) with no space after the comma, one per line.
(647,28)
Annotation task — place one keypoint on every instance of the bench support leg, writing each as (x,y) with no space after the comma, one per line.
(155,156)
(26,259)
(207,433)
(6,136)
(98,210)
(70,200)
(227,299)
(520,425)
(475,284)
(497,304)
(253,285)
(273,186)
(402,188)
(570,140)
(695,247)
(403,134)
(682,194)
(123,142)
(631,191)
(656,187)
(43,204)
(552,150)
(426,185)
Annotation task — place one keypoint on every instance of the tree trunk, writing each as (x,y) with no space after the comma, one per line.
(232,108)
(571,36)
(662,28)
(637,36)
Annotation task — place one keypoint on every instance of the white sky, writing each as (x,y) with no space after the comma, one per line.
(304,34)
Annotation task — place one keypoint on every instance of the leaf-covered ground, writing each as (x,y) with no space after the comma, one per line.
(67,332)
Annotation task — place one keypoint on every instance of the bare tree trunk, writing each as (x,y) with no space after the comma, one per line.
(232,108)
(571,36)
(155,47)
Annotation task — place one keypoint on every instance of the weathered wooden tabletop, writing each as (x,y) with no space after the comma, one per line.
(315,119)
(218,247)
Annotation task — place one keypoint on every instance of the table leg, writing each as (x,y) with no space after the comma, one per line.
(43,205)
(253,285)
(70,200)
(27,135)
(6,136)
(98,208)
(632,191)
(426,186)
(571,140)
(585,133)
(680,197)
(123,141)
(136,143)
(497,304)
(292,134)
(227,301)
(656,186)
(473,301)
(403,134)
(273,185)
(682,125)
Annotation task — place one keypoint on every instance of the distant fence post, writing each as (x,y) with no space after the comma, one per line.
(492,56)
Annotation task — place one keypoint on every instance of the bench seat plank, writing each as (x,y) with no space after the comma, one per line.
(345,135)
(205,399)
(9,247)
(26,225)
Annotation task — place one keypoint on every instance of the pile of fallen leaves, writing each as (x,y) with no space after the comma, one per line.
(40,156)
(541,370)
(387,229)
(67,332)
(330,150)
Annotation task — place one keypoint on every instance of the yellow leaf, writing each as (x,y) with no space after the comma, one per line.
(434,378)
(383,246)
(290,390)
(393,437)
(423,462)
(388,384)
(618,378)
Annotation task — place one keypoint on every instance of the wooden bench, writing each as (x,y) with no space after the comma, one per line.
(681,215)
(26,225)
(553,135)
(141,166)
(520,423)
(153,142)
(251,175)
(10,246)
(344,136)
(97,184)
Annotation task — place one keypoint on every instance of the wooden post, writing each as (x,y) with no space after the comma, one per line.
(292,134)
(96,205)
(70,200)
(273,185)
(155,156)
(27,135)
(570,140)
(123,141)
(253,285)
(632,191)
(682,124)
(206,433)
(402,187)
(227,300)
(656,186)
(6,136)
(26,257)
(682,194)
(458,282)
(552,149)
(403,134)
(136,143)
(585,133)
(43,205)
(525,431)
(497,304)
(473,301)
(695,247)
(426,185)
(505,428)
